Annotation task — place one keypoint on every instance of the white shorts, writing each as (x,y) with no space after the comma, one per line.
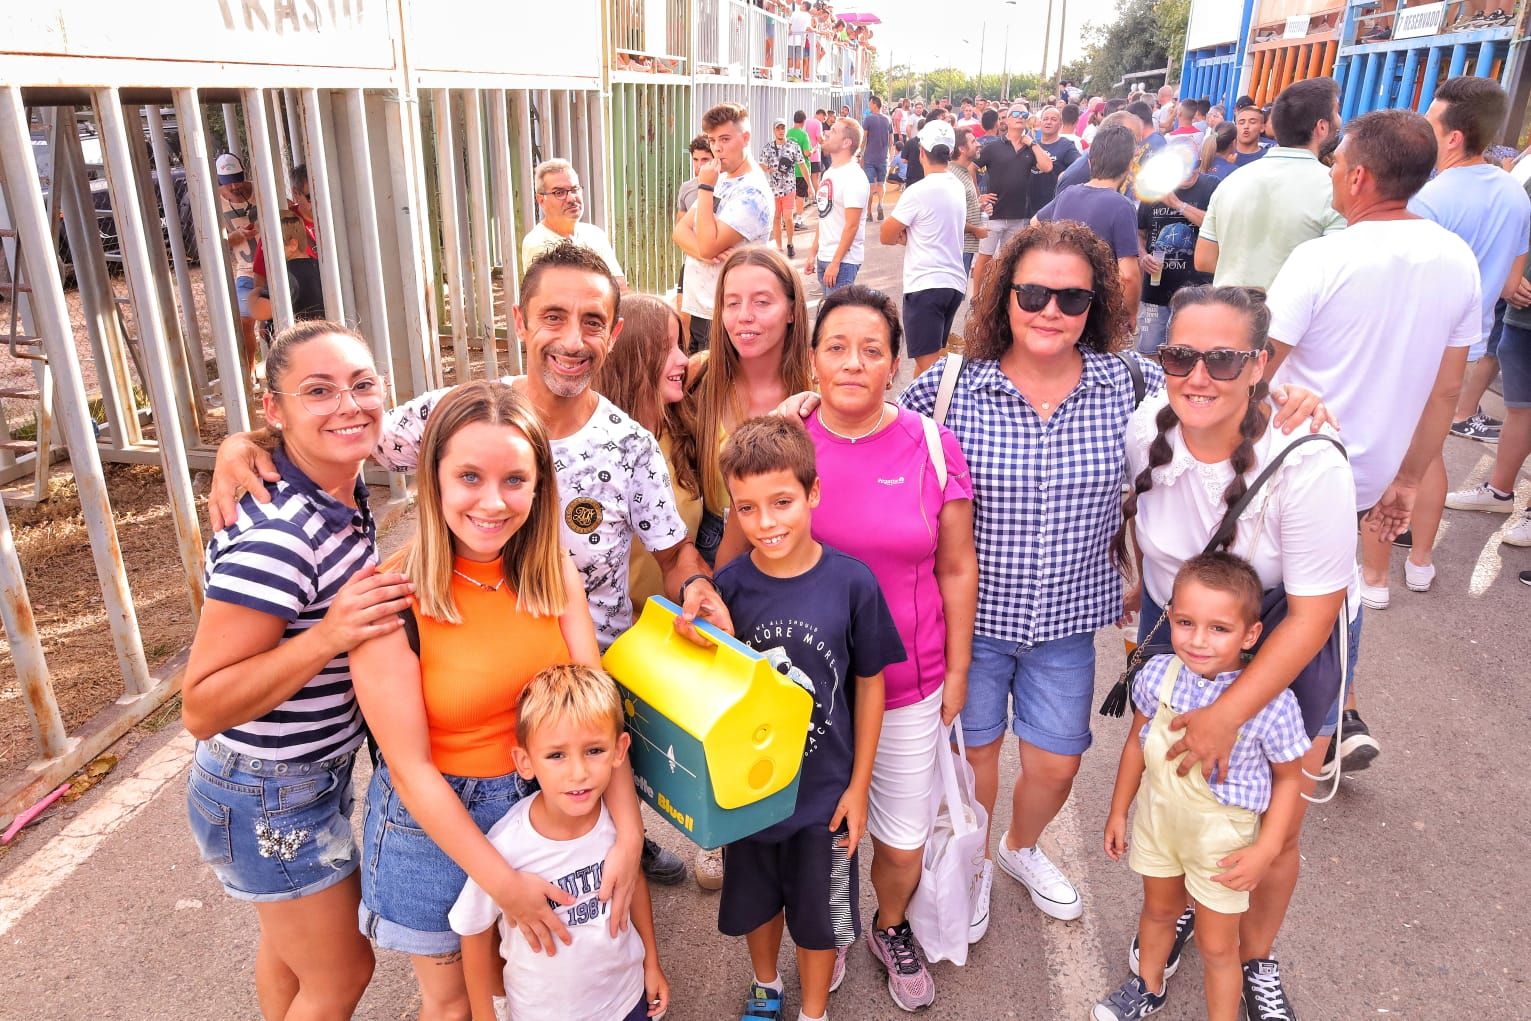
(899,811)
(1000,231)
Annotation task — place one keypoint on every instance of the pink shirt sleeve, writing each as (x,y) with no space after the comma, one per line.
(959,482)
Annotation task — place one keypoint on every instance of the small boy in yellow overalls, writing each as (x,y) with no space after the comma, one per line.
(1190,836)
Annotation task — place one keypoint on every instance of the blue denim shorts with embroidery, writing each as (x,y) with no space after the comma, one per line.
(408,884)
(271,830)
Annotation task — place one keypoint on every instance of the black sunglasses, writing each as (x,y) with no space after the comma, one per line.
(1072,301)
(1223,363)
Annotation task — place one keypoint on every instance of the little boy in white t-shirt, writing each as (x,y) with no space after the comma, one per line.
(569,736)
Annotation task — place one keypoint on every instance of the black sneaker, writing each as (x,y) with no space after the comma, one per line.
(1476,428)
(1131,1001)
(1405,539)
(1264,999)
(663,867)
(1357,746)
(1525,577)
(1489,420)
(1184,926)
(791,251)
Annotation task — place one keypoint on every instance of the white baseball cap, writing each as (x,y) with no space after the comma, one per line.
(230,170)
(936,133)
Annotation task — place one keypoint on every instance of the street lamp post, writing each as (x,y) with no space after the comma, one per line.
(1047,36)
(1005,68)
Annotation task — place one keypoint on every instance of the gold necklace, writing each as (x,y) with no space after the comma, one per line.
(474,581)
(881,414)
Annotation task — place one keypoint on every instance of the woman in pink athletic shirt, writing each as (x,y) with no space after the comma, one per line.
(881,501)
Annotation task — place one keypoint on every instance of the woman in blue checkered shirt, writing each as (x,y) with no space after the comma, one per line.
(1041,410)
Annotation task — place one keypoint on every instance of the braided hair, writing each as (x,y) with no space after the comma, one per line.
(1250,302)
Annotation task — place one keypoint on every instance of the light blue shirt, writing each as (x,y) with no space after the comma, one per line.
(1483,206)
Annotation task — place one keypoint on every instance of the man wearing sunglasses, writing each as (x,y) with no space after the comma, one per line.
(1009,163)
(561,200)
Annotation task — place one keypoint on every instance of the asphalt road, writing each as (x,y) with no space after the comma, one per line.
(1412,904)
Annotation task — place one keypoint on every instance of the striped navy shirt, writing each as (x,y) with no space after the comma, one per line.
(288,558)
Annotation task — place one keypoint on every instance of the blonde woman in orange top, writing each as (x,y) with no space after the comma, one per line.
(496,601)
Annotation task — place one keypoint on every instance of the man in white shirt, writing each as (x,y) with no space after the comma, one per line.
(1378,319)
(561,200)
(1283,199)
(1485,207)
(930,218)
(797,41)
(843,195)
(733,208)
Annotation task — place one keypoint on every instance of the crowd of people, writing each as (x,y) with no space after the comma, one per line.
(1255,328)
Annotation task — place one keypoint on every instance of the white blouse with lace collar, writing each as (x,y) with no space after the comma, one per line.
(1300,531)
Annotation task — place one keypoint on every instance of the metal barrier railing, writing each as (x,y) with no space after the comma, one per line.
(368,154)
(421,190)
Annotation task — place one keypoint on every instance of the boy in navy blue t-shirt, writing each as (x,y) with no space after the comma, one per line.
(825,612)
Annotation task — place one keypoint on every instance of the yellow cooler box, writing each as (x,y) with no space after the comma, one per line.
(717,733)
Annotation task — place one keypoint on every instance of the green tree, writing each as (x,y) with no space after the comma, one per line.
(1144,36)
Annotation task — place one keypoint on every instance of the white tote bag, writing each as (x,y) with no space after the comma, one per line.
(942,905)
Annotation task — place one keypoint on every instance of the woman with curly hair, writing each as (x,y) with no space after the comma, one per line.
(1040,409)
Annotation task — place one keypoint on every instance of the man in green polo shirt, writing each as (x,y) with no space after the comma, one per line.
(799,134)
(1271,206)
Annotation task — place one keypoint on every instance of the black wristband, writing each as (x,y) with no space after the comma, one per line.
(704,577)
(705,187)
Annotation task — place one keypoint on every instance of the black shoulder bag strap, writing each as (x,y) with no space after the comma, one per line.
(1139,384)
(1115,703)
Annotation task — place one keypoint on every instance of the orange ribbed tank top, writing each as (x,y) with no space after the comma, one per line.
(473,673)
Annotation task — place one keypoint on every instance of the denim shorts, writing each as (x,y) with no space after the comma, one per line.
(1151,610)
(844,278)
(1043,691)
(1515,366)
(271,830)
(1153,324)
(244,290)
(876,172)
(408,884)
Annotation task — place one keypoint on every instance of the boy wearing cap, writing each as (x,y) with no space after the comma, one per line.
(241,230)
(930,218)
(783,159)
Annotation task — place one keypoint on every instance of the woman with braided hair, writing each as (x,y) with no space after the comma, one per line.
(1193,451)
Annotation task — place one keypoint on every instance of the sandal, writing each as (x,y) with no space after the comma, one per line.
(763,1005)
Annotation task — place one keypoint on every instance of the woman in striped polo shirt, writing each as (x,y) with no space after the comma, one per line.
(292,587)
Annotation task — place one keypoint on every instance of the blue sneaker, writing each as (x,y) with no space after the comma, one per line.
(1131,1001)
(1184,926)
(764,1004)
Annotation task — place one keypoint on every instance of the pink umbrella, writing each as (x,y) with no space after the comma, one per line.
(859,18)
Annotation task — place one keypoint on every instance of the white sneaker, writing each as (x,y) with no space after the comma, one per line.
(1374,597)
(979,923)
(1050,889)
(1518,532)
(1480,498)
(1418,578)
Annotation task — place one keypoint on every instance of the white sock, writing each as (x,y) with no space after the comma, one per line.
(1498,492)
(774,985)
(804,1017)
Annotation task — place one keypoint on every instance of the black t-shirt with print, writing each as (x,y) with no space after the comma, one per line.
(1177,236)
(1009,178)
